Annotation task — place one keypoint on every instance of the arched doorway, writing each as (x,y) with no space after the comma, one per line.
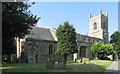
(83,51)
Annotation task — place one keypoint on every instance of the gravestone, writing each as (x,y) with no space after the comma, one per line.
(13,58)
(44,58)
(50,63)
(79,60)
(62,64)
(58,58)
(85,60)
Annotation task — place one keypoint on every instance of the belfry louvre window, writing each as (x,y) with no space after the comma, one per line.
(50,49)
(95,26)
(103,25)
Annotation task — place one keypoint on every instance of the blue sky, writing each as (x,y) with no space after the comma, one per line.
(76,13)
(73,0)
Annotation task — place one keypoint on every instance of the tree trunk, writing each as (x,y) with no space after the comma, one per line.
(65,57)
(97,55)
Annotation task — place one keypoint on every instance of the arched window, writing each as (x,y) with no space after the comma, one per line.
(50,49)
(95,26)
(84,39)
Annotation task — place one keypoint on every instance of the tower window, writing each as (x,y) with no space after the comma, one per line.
(95,25)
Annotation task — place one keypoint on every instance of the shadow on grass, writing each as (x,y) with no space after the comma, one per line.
(85,68)
(110,71)
(70,67)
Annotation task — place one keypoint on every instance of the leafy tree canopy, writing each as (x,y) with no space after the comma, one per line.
(66,36)
(100,47)
(16,22)
(115,38)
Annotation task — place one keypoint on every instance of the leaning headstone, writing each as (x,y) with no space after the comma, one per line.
(85,60)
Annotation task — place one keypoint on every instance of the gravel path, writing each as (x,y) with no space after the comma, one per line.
(114,68)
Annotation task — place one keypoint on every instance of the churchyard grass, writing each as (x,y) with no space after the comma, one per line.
(94,66)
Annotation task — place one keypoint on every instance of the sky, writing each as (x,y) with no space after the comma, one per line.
(73,0)
(76,13)
(119,16)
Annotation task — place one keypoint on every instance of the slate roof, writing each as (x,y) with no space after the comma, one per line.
(40,33)
(49,34)
(86,36)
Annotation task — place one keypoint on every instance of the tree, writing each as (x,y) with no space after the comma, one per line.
(66,43)
(101,49)
(115,38)
(96,47)
(16,22)
(108,48)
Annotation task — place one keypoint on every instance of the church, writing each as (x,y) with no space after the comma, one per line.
(41,43)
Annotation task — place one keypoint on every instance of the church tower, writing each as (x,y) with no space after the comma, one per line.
(98,26)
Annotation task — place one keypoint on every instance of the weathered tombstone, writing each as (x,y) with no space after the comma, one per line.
(23,57)
(79,60)
(58,58)
(32,60)
(13,58)
(85,60)
(62,64)
(50,63)
(70,57)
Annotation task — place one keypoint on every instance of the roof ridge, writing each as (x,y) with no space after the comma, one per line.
(41,27)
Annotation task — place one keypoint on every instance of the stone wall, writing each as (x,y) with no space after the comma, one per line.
(37,51)
(42,58)
(88,51)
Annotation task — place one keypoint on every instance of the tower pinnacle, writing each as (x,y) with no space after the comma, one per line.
(100,11)
(106,13)
(89,15)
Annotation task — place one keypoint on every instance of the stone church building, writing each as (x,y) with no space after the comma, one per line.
(41,43)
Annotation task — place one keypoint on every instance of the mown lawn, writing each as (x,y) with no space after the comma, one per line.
(94,66)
